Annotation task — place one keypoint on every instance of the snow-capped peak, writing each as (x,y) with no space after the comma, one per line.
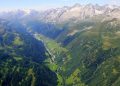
(66,13)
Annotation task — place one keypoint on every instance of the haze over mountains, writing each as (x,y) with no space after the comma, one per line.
(68,46)
(75,13)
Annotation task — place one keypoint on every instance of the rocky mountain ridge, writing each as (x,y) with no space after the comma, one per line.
(64,14)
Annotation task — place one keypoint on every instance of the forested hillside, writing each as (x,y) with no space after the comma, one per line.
(21,58)
(88,53)
(69,46)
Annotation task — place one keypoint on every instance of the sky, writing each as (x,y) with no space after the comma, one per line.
(47,4)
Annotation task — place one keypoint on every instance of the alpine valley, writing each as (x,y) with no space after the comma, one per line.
(68,46)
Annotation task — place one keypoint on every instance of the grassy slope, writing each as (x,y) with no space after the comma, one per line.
(96,53)
(62,56)
(91,57)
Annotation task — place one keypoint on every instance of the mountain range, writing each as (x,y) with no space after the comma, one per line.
(68,46)
(75,13)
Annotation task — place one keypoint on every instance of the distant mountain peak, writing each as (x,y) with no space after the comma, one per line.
(66,13)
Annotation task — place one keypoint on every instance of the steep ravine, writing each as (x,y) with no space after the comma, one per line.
(51,61)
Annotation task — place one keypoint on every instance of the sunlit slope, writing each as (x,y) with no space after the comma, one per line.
(95,52)
(59,56)
(92,55)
